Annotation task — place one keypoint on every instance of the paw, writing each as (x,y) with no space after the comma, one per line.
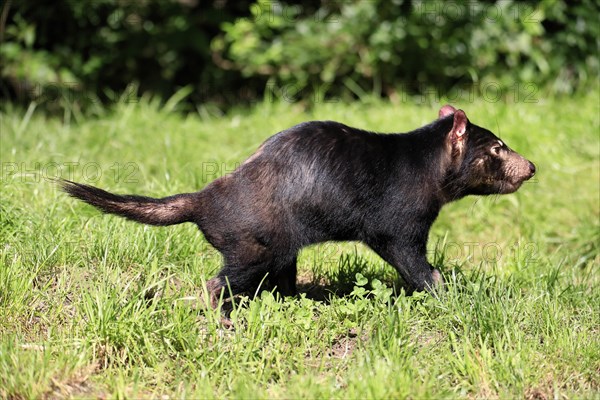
(215,287)
(437,281)
(437,278)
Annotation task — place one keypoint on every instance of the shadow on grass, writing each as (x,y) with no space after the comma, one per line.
(340,281)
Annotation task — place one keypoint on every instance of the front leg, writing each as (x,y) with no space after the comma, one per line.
(286,279)
(411,263)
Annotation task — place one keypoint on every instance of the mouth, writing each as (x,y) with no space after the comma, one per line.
(511,187)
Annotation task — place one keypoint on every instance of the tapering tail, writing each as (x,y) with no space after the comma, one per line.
(166,211)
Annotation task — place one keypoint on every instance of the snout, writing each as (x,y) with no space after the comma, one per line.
(531,170)
(522,170)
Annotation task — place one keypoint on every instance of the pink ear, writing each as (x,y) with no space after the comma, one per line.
(446,110)
(460,123)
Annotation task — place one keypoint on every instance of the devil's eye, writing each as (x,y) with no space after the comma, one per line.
(496,149)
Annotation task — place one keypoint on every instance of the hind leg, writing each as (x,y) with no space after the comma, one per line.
(247,261)
(233,280)
(248,279)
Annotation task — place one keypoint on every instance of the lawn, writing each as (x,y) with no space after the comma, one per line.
(95,306)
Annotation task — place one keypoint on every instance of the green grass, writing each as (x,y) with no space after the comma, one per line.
(95,306)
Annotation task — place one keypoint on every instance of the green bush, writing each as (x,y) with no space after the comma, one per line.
(383,46)
(89,51)
(92,49)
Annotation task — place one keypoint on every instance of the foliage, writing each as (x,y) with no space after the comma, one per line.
(92,49)
(384,46)
(84,52)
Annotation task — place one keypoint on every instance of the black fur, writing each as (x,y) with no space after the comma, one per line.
(321,181)
(166,211)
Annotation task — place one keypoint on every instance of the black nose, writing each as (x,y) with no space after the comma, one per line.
(532,168)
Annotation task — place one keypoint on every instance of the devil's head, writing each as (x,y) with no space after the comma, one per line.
(480,163)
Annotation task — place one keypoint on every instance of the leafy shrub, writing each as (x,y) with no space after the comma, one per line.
(86,51)
(382,46)
(92,48)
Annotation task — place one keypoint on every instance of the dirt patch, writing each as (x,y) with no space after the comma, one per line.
(77,384)
(315,289)
(535,394)
(344,345)
(542,391)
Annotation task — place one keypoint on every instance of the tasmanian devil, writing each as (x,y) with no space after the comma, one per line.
(324,181)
